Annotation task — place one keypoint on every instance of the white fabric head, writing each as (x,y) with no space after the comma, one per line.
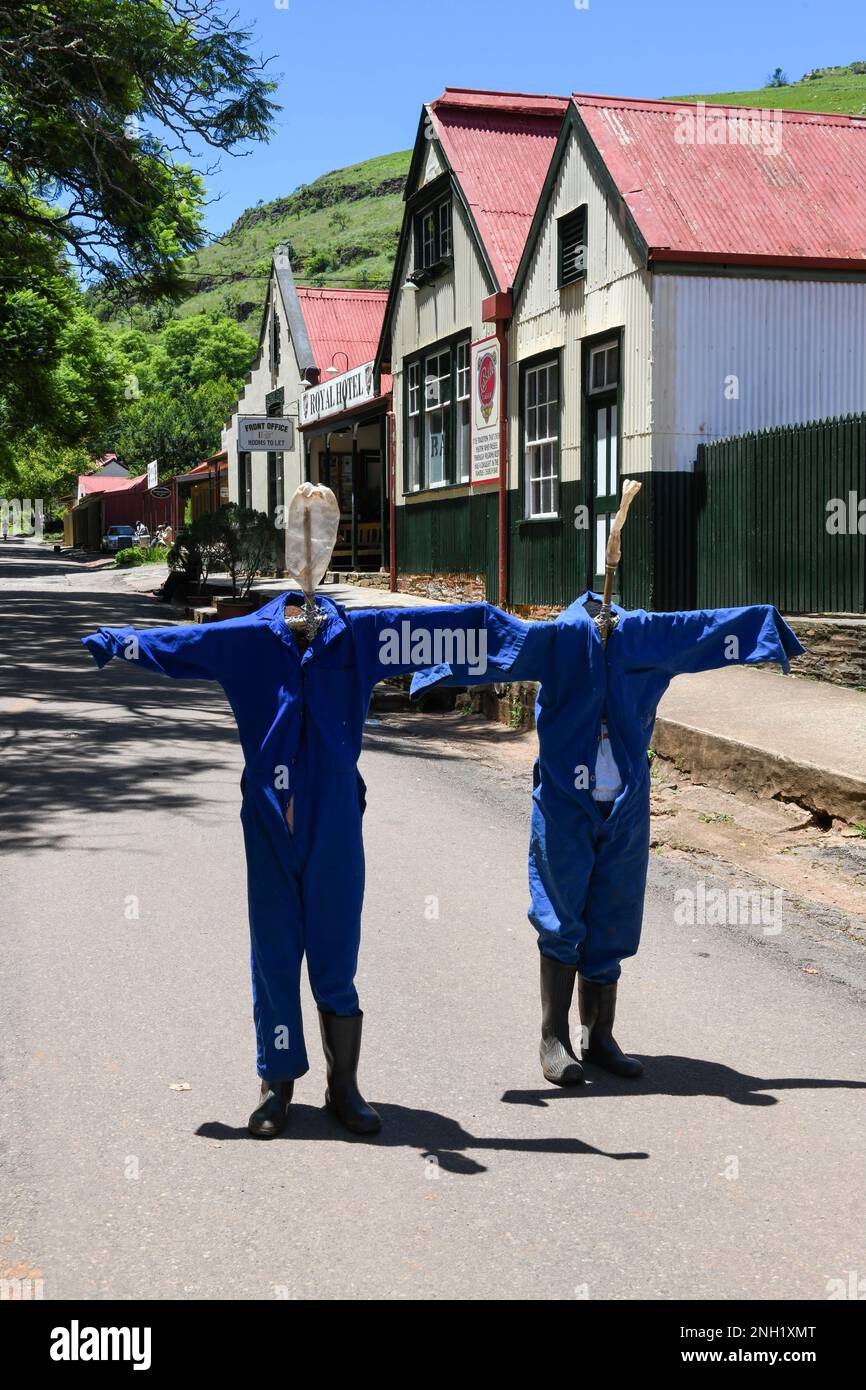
(311,534)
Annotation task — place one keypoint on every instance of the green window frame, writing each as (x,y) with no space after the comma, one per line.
(245,480)
(463,418)
(436,433)
(434,239)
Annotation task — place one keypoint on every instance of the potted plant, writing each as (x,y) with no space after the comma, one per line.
(248,543)
(185,568)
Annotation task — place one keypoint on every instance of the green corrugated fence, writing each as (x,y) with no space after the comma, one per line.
(762,506)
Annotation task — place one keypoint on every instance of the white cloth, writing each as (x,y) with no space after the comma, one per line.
(608,782)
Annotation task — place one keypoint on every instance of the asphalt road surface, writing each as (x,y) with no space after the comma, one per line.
(734,1169)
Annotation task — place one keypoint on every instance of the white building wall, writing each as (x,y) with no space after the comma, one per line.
(434,165)
(733,355)
(614,294)
(252,402)
(423,317)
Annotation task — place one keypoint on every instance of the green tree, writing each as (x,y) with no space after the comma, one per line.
(38,467)
(201,348)
(178,429)
(61,374)
(103,106)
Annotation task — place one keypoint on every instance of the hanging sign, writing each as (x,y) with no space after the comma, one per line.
(338,394)
(152,473)
(486,394)
(265,433)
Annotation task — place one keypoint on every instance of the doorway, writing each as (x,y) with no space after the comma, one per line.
(602,400)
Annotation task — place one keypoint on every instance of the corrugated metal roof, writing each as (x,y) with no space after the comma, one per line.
(343,321)
(90,484)
(499,145)
(736,184)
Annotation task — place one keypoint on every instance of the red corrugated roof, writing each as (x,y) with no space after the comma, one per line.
(499,145)
(88,484)
(736,201)
(343,321)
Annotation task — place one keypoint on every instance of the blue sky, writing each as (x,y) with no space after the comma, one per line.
(355,72)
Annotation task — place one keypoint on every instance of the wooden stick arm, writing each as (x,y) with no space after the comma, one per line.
(613,553)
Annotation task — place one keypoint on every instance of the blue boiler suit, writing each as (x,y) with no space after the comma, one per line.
(300,719)
(587,873)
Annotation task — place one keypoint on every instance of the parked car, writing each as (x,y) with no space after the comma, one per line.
(118,538)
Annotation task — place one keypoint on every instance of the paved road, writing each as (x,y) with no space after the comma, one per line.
(735,1169)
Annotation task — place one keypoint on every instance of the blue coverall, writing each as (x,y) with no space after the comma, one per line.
(300,718)
(587,873)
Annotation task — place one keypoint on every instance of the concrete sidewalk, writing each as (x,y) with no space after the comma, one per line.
(786,736)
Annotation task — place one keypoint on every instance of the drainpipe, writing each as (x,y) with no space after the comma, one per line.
(355,497)
(497,309)
(392,509)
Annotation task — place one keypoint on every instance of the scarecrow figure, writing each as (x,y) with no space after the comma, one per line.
(602,672)
(298,674)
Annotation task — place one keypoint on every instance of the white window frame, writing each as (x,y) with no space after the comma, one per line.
(541,439)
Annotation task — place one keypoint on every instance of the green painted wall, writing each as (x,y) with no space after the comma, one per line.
(761,504)
(548,560)
(451,535)
(748,526)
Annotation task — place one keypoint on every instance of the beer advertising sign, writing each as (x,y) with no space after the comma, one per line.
(486,395)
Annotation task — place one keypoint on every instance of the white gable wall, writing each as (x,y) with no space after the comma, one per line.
(614,294)
(423,317)
(733,355)
(434,164)
(252,402)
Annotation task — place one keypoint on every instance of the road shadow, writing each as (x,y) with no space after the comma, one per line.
(413,734)
(96,741)
(437,1138)
(682,1076)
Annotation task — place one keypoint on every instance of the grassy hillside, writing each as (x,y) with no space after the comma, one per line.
(343,228)
(841,90)
(340,230)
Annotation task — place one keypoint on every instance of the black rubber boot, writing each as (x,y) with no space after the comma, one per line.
(558,1061)
(341,1039)
(597,1010)
(270,1118)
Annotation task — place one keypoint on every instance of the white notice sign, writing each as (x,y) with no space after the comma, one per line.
(265,433)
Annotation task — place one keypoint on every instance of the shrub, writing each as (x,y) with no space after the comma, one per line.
(135,555)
